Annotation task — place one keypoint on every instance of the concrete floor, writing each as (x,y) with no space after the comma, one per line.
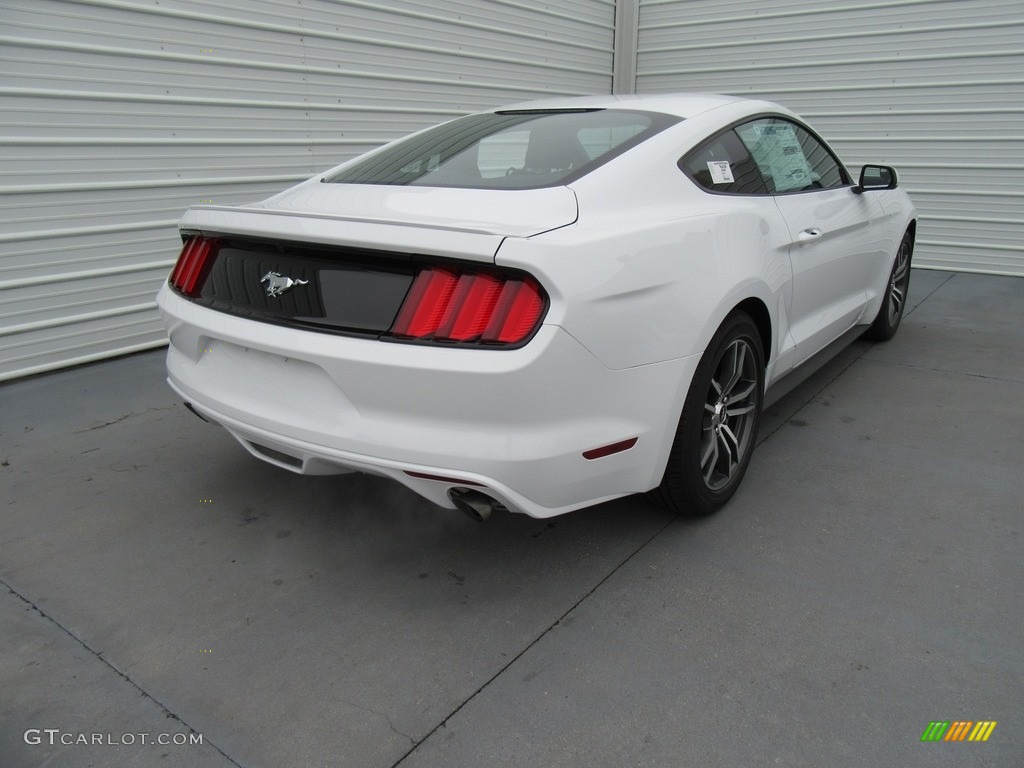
(865,581)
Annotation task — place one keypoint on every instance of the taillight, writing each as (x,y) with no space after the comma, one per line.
(194,264)
(449,305)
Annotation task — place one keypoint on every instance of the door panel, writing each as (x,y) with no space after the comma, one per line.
(835,249)
(832,230)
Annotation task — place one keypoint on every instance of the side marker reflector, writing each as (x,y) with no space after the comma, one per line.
(607,450)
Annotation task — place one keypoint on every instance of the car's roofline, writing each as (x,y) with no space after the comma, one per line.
(685,105)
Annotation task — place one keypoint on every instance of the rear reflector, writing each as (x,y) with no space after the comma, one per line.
(450,305)
(607,450)
(194,264)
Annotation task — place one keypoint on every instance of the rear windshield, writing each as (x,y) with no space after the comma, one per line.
(507,150)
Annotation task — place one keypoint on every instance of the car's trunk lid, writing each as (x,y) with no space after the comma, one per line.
(332,289)
(341,258)
(517,213)
(457,223)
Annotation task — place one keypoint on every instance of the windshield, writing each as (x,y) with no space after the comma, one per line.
(507,150)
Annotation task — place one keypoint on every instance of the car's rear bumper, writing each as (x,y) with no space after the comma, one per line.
(513,422)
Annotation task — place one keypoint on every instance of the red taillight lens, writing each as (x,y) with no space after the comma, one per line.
(193,264)
(483,307)
(470,307)
(423,309)
(517,313)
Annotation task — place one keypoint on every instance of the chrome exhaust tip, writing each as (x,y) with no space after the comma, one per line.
(478,506)
(195,412)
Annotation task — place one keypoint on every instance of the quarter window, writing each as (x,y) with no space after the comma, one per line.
(723,164)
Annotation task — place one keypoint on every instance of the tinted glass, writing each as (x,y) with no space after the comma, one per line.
(508,150)
(722,164)
(790,158)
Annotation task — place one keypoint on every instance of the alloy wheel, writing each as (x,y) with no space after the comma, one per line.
(898,283)
(729,415)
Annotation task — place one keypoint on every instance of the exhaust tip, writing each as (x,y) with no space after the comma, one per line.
(476,505)
(197,413)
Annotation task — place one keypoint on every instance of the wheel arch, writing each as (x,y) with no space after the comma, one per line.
(758,312)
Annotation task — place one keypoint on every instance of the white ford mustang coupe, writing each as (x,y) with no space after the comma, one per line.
(541,307)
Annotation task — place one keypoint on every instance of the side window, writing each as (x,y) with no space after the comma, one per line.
(723,164)
(790,158)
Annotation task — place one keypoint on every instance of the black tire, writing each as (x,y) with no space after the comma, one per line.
(894,305)
(718,426)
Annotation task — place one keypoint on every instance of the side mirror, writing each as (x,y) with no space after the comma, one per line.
(875,177)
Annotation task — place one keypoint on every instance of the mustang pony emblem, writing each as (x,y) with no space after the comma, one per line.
(276,285)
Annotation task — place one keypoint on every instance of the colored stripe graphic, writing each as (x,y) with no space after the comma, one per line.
(958,731)
(982,730)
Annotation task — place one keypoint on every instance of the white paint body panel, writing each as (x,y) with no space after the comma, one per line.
(833,260)
(519,213)
(508,419)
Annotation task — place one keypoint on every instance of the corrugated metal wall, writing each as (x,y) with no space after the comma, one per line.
(116,115)
(934,87)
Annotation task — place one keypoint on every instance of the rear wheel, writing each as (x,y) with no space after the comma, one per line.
(887,322)
(718,425)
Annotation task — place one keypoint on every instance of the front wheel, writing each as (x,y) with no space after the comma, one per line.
(894,304)
(718,425)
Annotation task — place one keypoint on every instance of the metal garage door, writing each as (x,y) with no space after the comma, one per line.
(933,87)
(118,114)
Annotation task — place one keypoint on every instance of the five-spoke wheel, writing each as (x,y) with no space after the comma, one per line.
(729,415)
(894,303)
(718,426)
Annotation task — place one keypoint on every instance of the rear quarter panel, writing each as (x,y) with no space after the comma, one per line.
(654,264)
(645,286)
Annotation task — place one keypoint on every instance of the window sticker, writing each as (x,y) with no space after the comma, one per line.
(721,172)
(777,151)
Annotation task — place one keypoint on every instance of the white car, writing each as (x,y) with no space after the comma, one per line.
(541,307)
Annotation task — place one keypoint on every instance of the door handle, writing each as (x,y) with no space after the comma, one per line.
(809,234)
